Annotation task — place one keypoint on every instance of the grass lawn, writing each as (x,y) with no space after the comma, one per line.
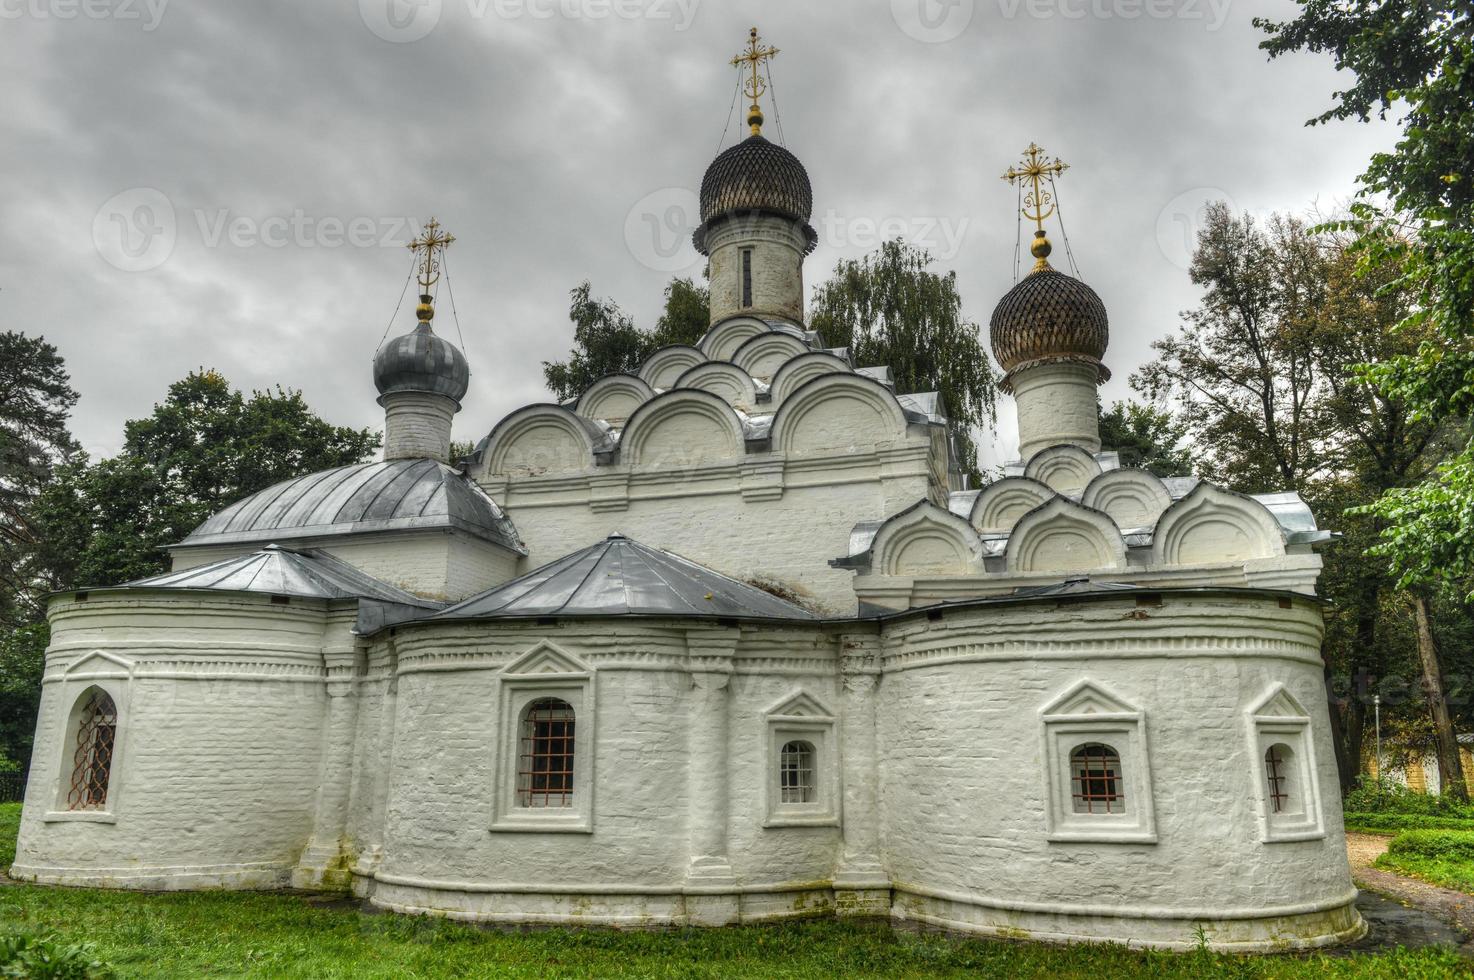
(1442,857)
(279,935)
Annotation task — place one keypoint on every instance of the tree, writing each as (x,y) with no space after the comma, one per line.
(1415,214)
(1242,370)
(607,341)
(890,308)
(36,398)
(206,446)
(1147,437)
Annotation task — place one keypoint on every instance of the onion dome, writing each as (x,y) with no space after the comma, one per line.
(755,176)
(421,361)
(1048,317)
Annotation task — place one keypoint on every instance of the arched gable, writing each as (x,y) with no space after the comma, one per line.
(723,339)
(663,367)
(1001,504)
(1064,468)
(723,379)
(763,354)
(1063,536)
(838,413)
(613,398)
(539,440)
(797,371)
(926,540)
(1132,497)
(1211,525)
(681,427)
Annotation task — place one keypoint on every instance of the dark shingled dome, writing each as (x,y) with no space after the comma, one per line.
(1047,317)
(756,175)
(421,361)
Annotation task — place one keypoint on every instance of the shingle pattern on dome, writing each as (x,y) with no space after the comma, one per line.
(421,360)
(1048,317)
(620,577)
(401,494)
(755,175)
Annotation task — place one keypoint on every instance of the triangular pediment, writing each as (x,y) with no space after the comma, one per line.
(1088,698)
(546,658)
(1278,703)
(100,660)
(801,705)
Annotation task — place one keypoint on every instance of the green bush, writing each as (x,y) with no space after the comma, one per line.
(1446,845)
(1372,797)
(1391,823)
(48,958)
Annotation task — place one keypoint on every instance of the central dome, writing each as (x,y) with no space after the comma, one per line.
(421,361)
(1049,317)
(756,175)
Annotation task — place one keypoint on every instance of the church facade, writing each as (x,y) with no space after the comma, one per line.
(725,639)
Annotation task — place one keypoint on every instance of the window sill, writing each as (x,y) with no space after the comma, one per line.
(80,816)
(822,819)
(1291,834)
(518,824)
(1103,837)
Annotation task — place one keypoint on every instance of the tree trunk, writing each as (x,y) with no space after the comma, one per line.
(1450,769)
(1345,766)
(1356,730)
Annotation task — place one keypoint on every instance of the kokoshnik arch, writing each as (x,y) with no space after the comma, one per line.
(724,639)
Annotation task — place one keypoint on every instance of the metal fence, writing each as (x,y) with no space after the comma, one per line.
(12,787)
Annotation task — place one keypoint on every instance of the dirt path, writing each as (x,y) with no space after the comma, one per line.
(1453,907)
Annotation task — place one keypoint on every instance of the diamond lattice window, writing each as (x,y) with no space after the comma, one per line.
(92,762)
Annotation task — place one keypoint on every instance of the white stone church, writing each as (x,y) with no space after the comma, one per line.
(725,639)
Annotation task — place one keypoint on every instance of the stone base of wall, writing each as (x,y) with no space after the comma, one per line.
(239,877)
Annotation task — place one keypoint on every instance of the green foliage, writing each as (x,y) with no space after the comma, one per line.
(607,341)
(1147,437)
(22,661)
(206,446)
(1418,55)
(1371,797)
(1443,857)
(890,308)
(1391,823)
(44,957)
(36,398)
(1449,844)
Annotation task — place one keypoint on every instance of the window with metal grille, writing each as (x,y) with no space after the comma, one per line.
(1277,772)
(1095,779)
(747,277)
(796,782)
(545,762)
(92,761)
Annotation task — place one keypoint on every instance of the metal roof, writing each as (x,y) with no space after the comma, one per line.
(401,494)
(620,577)
(309,573)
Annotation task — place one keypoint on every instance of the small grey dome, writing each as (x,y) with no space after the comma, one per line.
(421,361)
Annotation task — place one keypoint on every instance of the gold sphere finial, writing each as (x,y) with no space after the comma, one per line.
(1040,250)
(426,310)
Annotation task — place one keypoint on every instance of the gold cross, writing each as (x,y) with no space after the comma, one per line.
(433,242)
(752,57)
(1038,203)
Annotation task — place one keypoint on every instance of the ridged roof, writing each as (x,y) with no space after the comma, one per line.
(401,494)
(421,360)
(279,571)
(1049,316)
(620,577)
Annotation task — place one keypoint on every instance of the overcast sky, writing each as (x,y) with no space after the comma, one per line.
(227,184)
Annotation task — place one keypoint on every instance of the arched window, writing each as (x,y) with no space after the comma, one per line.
(1095,779)
(1277,773)
(545,762)
(92,761)
(796,782)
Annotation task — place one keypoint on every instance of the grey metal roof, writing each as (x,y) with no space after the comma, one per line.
(421,361)
(280,571)
(923,406)
(401,494)
(620,577)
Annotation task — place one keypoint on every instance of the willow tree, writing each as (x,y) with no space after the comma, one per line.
(892,308)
